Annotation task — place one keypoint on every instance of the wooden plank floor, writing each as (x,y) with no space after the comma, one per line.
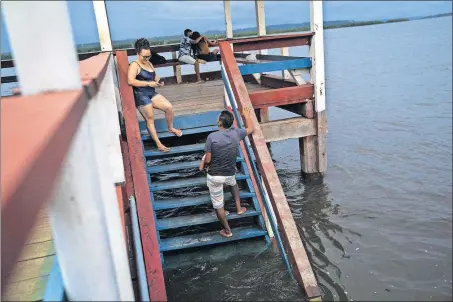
(29,278)
(192,98)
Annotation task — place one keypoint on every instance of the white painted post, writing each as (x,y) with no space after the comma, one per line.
(81,215)
(102,22)
(229,35)
(106,147)
(113,129)
(33,29)
(317,54)
(228,23)
(261,28)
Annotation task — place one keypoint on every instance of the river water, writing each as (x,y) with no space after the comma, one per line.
(378,226)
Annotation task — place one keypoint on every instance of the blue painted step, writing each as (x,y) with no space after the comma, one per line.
(175,150)
(146,136)
(185,121)
(177,166)
(166,204)
(191,182)
(195,240)
(182,221)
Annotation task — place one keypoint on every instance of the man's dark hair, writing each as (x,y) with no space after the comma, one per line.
(186,32)
(140,44)
(226,118)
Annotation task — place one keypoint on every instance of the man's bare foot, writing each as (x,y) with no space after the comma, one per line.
(162,148)
(224,233)
(176,132)
(242,211)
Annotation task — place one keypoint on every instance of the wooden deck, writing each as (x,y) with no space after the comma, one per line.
(193,98)
(29,278)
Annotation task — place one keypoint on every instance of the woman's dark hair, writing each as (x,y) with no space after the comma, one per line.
(226,118)
(195,47)
(140,44)
(195,35)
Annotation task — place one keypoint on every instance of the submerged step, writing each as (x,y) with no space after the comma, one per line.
(175,150)
(167,204)
(177,166)
(189,220)
(182,183)
(195,240)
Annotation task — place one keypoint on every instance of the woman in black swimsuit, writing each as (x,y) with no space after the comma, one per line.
(144,80)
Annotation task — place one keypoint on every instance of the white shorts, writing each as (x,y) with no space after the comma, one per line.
(187,59)
(215,185)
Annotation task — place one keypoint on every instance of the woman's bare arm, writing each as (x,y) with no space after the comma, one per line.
(132,73)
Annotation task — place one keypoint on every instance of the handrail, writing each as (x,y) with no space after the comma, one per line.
(251,156)
(144,293)
(293,242)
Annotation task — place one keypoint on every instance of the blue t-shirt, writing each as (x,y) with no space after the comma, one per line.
(223,146)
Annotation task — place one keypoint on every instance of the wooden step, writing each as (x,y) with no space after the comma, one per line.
(188,241)
(178,166)
(166,204)
(206,129)
(183,183)
(179,150)
(189,220)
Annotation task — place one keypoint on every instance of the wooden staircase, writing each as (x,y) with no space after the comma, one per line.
(180,199)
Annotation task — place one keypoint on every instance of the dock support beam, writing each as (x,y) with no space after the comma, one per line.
(313,149)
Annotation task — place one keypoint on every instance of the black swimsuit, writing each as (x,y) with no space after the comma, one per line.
(144,95)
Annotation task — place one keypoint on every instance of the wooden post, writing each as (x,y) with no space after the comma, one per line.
(176,68)
(284,51)
(229,35)
(84,248)
(318,80)
(228,23)
(102,22)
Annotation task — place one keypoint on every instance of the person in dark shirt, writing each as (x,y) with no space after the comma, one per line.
(221,150)
(201,49)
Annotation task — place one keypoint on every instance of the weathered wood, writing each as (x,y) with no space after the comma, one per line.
(294,127)
(228,23)
(260,17)
(54,117)
(269,42)
(296,251)
(154,272)
(176,68)
(307,147)
(318,79)
(282,96)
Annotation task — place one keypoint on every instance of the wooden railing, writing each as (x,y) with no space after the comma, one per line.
(68,152)
(294,247)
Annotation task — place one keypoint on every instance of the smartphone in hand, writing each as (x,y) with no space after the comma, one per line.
(161,82)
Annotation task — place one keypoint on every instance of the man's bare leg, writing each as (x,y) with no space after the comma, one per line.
(226,232)
(235,192)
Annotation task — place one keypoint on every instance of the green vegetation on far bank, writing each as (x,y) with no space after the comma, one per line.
(92,47)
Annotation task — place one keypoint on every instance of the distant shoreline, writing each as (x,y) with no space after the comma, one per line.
(91,47)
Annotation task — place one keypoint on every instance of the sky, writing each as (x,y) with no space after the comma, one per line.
(132,19)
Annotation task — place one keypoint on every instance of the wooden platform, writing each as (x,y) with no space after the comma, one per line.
(29,278)
(195,98)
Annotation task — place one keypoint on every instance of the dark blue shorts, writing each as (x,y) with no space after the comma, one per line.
(142,99)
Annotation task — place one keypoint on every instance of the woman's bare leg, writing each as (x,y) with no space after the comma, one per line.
(148,114)
(161,103)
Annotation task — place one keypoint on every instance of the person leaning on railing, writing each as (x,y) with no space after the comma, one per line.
(144,80)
